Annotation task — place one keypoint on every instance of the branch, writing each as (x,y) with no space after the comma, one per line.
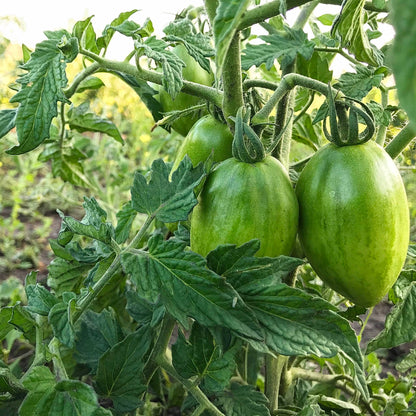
(192,88)
(403,138)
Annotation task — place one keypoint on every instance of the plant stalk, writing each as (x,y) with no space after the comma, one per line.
(232,80)
(382,129)
(274,368)
(59,367)
(400,142)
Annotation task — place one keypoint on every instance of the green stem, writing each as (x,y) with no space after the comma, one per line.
(400,142)
(160,347)
(382,129)
(259,83)
(86,301)
(211,9)
(287,83)
(192,88)
(365,323)
(89,70)
(340,52)
(193,389)
(274,368)
(59,367)
(232,80)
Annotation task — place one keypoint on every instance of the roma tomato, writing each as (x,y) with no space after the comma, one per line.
(241,201)
(192,71)
(206,135)
(354,220)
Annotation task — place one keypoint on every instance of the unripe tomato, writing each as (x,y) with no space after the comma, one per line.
(207,135)
(354,220)
(193,72)
(241,201)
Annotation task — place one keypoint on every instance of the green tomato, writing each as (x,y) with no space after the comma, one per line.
(242,201)
(354,220)
(206,136)
(193,72)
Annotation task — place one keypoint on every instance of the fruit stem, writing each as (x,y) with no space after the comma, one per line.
(403,138)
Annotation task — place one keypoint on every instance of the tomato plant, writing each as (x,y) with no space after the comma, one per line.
(221,317)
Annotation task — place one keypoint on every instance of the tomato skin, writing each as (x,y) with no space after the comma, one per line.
(207,135)
(193,72)
(354,220)
(241,201)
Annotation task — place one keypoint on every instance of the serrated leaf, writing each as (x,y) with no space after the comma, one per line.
(39,299)
(167,200)
(242,400)
(41,89)
(93,224)
(317,67)
(51,397)
(82,122)
(349,25)
(66,276)
(7,121)
(198,45)
(9,383)
(404,53)
(358,85)
(23,321)
(295,323)
(408,362)
(399,326)
(145,92)
(96,334)
(382,117)
(278,46)
(171,64)
(125,218)
(143,311)
(108,33)
(133,29)
(119,373)
(60,320)
(201,357)
(172,272)
(227,18)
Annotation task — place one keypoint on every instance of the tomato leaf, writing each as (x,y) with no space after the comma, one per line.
(93,224)
(358,85)
(39,299)
(7,121)
(399,326)
(96,334)
(227,18)
(120,370)
(172,65)
(404,54)
(200,356)
(80,119)
(198,45)
(241,400)
(168,200)
(284,47)
(349,25)
(66,276)
(172,272)
(295,322)
(60,320)
(143,311)
(41,89)
(125,218)
(49,397)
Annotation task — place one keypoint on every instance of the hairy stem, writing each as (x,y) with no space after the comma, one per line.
(339,51)
(192,88)
(58,365)
(232,80)
(287,83)
(274,368)
(89,70)
(403,138)
(211,9)
(382,129)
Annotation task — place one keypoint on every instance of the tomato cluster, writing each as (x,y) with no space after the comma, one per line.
(349,208)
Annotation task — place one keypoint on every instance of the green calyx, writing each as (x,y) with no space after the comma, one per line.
(344,116)
(247,146)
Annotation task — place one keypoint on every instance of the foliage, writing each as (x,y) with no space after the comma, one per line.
(127,319)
